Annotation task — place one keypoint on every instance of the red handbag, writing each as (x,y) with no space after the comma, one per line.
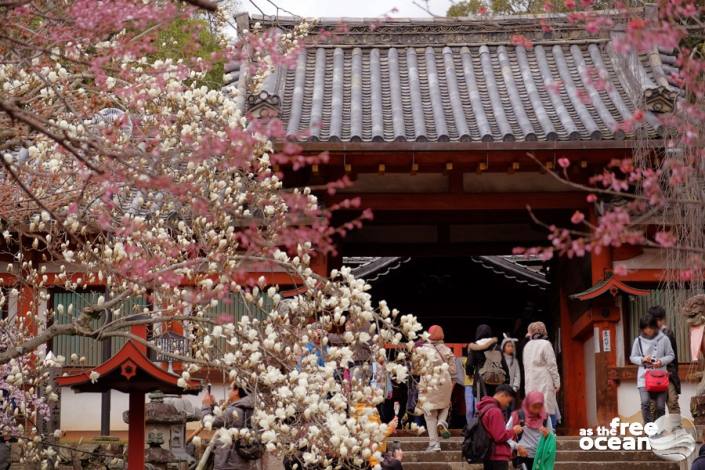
(655,380)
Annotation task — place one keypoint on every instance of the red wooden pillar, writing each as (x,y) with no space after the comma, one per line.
(573,383)
(26,308)
(605,315)
(135,436)
(319,265)
(605,360)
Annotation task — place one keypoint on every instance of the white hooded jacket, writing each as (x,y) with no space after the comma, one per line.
(541,372)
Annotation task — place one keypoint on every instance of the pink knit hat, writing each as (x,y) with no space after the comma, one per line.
(435,333)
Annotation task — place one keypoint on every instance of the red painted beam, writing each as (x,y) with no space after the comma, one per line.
(465,201)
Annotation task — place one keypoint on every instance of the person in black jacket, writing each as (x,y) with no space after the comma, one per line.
(484,341)
(674,382)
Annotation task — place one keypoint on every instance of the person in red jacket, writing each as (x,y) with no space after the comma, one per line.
(490,408)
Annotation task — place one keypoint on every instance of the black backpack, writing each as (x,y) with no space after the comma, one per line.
(250,449)
(477,443)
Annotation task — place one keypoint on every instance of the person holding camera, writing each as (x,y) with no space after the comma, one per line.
(652,352)
(674,385)
(393,457)
(237,413)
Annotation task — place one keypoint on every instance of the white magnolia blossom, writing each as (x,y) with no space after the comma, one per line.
(167,208)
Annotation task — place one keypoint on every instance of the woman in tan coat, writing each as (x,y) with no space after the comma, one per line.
(435,399)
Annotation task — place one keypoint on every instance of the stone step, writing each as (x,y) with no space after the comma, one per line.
(407,433)
(412,443)
(616,465)
(606,456)
(567,444)
(417,446)
(444,456)
(562,456)
(581,465)
(441,466)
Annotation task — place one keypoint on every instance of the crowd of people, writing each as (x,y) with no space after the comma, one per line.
(507,386)
(510,388)
(492,378)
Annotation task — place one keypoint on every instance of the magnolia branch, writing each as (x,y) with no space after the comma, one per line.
(42,338)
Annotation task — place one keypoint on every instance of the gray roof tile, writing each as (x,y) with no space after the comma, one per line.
(464,83)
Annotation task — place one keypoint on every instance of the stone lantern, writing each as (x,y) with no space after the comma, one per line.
(158,458)
(166,426)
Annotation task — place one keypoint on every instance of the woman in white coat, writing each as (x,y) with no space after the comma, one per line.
(541,369)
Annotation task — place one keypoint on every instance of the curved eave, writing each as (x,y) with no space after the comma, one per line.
(513,271)
(612,286)
(163,380)
(378,268)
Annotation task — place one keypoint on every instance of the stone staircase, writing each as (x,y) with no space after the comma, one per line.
(570,457)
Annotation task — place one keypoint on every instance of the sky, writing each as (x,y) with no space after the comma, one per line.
(349,8)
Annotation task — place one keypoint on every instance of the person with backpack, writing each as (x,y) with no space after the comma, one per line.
(486,375)
(237,414)
(674,381)
(490,433)
(435,399)
(541,368)
(534,421)
(652,352)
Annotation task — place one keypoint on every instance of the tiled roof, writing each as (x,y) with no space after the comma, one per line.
(372,268)
(455,80)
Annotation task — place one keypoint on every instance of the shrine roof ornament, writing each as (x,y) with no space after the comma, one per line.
(610,285)
(441,80)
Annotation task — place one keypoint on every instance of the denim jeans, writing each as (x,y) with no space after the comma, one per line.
(647,398)
(469,403)
(554,420)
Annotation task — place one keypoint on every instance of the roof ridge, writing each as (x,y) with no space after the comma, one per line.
(409,20)
(367,32)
